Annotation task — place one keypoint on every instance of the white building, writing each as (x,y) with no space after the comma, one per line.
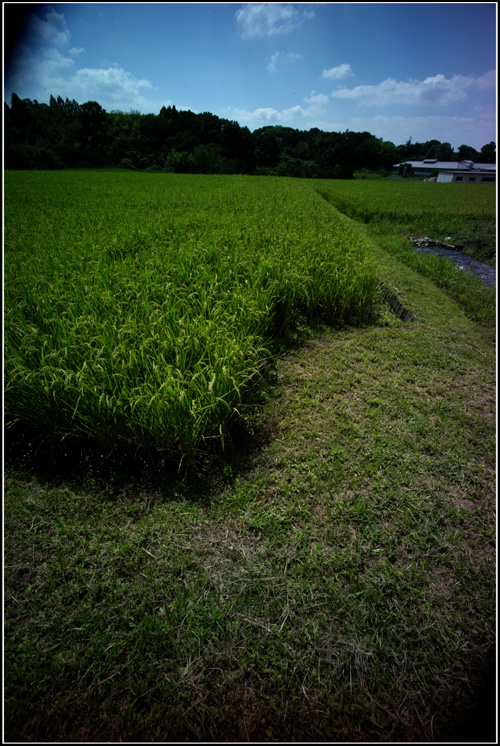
(476,176)
(464,171)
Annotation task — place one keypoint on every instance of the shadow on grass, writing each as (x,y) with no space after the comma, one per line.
(477,723)
(87,465)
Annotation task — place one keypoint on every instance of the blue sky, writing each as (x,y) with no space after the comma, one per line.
(397,70)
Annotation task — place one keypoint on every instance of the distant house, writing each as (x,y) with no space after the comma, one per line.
(477,175)
(448,171)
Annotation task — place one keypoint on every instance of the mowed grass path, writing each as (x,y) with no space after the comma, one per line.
(333,581)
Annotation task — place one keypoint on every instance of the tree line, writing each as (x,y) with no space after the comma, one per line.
(65,134)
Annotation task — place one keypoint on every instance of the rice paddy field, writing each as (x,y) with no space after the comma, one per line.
(138,312)
(465,217)
(245,500)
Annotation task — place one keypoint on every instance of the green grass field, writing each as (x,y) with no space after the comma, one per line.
(329,575)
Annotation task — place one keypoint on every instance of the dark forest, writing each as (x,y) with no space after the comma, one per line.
(65,134)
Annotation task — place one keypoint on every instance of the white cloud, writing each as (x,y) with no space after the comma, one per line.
(471,130)
(488,80)
(49,30)
(52,62)
(457,130)
(113,88)
(433,90)
(475,131)
(280,61)
(316,98)
(268,115)
(339,72)
(267,19)
(36,54)
(41,65)
(34,68)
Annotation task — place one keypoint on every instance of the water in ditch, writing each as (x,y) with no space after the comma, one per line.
(465,262)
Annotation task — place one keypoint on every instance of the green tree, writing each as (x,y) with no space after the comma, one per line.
(433,148)
(467,153)
(267,151)
(66,134)
(488,153)
(445,152)
(405,170)
(177,161)
(206,159)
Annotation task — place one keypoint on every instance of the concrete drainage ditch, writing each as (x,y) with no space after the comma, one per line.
(395,304)
(465,262)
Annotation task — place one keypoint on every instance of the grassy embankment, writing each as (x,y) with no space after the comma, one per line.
(334,579)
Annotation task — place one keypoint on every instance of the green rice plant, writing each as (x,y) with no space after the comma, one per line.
(140,309)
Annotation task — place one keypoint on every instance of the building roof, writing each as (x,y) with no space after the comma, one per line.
(431,164)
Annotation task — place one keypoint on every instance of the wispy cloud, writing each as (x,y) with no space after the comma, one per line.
(77,50)
(338,73)
(436,90)
(281,60)
(268,19)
